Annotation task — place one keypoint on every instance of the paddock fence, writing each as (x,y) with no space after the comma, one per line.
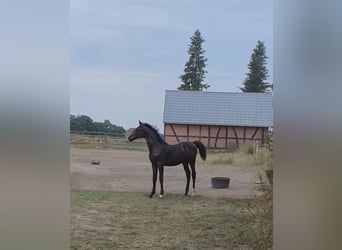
(105,140)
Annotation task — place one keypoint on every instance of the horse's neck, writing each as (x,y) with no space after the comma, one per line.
(153,144)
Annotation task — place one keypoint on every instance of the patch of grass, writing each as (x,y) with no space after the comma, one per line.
(256,159)
(223,160)
(245,155)
(89,196)
(261,211)
(229,149)
(129,220)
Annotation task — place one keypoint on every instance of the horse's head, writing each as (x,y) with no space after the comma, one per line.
(139,132)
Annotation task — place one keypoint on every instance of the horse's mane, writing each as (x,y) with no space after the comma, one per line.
(155,132)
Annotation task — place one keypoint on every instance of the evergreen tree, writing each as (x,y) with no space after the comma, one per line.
(194,72)
(255,80)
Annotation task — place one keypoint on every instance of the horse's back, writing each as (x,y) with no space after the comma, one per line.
(179,153)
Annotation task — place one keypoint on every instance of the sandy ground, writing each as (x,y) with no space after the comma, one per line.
(130,170)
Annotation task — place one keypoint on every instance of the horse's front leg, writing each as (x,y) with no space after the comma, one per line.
(154,179)
(161,180)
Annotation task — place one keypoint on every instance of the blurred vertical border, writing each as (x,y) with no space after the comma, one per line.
(34,103)
(307,124)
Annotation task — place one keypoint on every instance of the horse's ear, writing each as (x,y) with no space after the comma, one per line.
(140,123)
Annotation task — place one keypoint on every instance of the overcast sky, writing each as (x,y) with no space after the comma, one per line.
(126,53)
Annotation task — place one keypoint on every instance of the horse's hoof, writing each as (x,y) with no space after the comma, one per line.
(160,196)
(151,195)
(193,193)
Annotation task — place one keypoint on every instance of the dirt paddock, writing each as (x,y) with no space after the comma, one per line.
(130,170)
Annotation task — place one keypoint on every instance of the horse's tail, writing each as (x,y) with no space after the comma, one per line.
(201,148)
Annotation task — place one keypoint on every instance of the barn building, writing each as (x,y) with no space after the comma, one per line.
(218,119)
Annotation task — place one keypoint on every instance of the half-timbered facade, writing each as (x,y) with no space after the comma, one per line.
(218,119)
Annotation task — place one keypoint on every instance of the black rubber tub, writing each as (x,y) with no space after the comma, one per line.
(220,182)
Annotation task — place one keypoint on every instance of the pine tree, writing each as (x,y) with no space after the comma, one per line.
(255,80)
(194,72)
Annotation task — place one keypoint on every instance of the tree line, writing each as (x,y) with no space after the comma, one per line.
(84,123)
(194,69)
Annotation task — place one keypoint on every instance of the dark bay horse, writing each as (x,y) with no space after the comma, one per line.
(162,154)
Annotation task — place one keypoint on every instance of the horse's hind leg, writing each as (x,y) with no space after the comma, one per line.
(193,173)
(161,180)
(187,172)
